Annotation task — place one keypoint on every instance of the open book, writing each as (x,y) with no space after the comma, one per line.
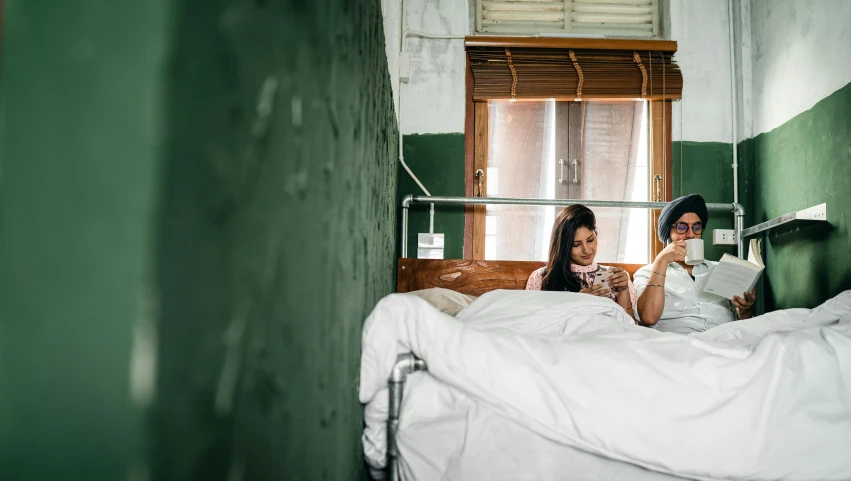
(733,276)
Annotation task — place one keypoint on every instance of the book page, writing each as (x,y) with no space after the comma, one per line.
(754,254)
(728,280)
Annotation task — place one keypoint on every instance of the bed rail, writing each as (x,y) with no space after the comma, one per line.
(736,209)
(405,365)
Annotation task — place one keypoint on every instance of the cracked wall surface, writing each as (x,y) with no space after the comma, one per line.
(278,237)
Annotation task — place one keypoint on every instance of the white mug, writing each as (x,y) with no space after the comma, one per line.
(694,251)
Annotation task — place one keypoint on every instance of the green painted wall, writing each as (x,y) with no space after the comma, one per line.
(221,175)
(83,89)
(438,161)
(705,168)
(279,236)
(805,162)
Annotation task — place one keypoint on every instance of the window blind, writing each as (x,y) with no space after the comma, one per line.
(627,18)
(573,69)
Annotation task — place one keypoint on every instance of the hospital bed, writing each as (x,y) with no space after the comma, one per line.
(472,278)
(477,278)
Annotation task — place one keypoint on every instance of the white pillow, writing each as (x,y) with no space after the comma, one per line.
(445,300)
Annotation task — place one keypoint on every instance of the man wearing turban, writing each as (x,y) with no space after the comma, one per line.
(670,292)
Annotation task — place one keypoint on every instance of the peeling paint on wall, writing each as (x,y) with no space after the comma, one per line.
(433,99)
(701,30)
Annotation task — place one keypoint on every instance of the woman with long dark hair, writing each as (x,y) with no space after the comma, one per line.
(571,266)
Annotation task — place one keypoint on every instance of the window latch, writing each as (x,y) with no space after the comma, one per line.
(657,179)
(480,174)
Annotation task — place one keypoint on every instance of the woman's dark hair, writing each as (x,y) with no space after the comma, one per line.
(558,276)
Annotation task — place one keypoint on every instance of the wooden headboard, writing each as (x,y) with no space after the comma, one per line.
(471,277)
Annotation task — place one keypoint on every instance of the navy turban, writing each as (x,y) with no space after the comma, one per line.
(676,208)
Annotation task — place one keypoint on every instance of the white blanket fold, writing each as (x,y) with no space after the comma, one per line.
(766,398)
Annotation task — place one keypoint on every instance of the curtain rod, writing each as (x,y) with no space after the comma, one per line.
(575,43)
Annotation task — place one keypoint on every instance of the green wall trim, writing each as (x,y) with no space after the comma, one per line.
(438,161)
(280,236)
(805,162)
(705,168)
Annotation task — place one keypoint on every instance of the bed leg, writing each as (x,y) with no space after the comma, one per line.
(405,364)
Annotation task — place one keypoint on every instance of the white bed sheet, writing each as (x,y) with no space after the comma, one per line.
(539,385)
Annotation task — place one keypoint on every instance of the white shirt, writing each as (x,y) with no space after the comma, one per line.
(687,308)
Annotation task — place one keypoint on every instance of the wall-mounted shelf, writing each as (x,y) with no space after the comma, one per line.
(792,220)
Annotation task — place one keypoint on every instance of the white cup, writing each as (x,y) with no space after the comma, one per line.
(694,251)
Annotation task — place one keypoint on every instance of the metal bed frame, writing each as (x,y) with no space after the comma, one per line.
(407,363)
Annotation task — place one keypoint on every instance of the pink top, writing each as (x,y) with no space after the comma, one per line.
(586,276)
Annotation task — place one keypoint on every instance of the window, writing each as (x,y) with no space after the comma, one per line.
(566,150)
(568,119)
(624,18)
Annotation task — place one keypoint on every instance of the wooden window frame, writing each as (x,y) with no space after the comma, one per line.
(476,152)
(661,164)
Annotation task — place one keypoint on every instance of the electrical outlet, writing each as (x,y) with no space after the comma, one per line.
(723,237)
(430,246)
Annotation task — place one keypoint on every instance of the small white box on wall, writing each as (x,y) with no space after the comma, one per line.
(430,246)
(723,237)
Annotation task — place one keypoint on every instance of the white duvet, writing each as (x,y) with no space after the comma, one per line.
(541,385)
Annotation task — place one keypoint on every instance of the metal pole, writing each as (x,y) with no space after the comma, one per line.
(739,225)
(737,210)
(405,364)
(393,429)
(406,203)
(422,199)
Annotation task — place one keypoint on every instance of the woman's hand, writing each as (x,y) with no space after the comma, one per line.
(600,291)
(619,280)
(744,306)
(673,252)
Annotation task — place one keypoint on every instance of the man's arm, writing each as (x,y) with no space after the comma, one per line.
(651,298)
(651,293)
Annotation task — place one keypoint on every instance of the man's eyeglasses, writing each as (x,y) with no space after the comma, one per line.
(682,227)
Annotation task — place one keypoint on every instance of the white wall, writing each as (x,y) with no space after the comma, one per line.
(801,54)
(701,29)
(433,99)
(789,53)
(744,68)
(392,11)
